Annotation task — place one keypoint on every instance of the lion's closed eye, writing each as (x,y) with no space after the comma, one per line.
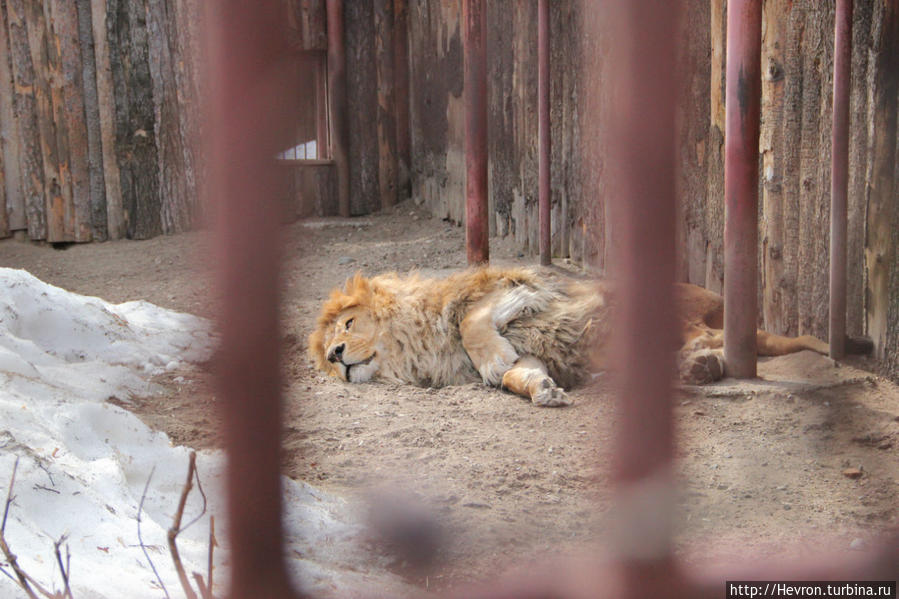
(349,323)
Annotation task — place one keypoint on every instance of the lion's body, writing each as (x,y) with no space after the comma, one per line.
(529,330)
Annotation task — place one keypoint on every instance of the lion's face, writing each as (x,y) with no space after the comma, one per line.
(347,348)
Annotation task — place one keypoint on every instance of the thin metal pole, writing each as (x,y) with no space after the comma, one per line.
(839,178)
(475,97)
(743,102)
(545,132)
(644,132)
(250,103)
(337,103)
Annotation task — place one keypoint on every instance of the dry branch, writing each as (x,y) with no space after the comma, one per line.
(176,528)
(140,539)
(22,578)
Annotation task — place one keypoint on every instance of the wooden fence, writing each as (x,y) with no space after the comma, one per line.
(794,152)
(98,118)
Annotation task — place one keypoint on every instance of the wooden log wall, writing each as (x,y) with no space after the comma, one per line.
(794,152)
(99,127)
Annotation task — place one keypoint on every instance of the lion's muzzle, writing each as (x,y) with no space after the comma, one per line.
(335,354)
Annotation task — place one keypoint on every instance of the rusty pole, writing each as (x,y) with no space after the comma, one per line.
(250,106)
(474,64)
(401,82)
(545,133)
(839,178)
(743,102)
(645,136)
(337,104)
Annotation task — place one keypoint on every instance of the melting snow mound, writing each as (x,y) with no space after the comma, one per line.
(84,463)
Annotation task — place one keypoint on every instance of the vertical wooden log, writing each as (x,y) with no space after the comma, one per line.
(10,144)
(814,155)
(743,96)
(714,213)
(839,182)
(475,94)
(115,214)
(860,102)
(92,121)
(386,116)
(72,136)
(545,131)
(337,105)
(25,111)
(176,199)
(322,136)
(135,123)
(775,17)
(880,253)
(787,307)
(54,185)
(401,96)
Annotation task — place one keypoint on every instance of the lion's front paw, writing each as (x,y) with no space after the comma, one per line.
(702,367)
(547,395)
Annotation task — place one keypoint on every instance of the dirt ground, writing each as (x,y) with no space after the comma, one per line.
(803,460)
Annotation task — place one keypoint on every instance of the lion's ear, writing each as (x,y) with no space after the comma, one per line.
(358,288)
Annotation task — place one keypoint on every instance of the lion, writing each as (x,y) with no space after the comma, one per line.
(534,332)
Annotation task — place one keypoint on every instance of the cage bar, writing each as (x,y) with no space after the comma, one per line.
(337,103)
(545,133)
(839,178)
(741,176)
(474,65)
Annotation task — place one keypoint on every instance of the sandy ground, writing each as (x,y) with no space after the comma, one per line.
(803,460)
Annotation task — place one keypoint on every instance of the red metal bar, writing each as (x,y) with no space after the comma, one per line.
(839,177)
(545,133)
(250,104)
(645,134)
(401,82)
(474,65)
(337,103)
(743,102)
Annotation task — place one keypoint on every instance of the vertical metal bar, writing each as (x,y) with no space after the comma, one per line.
(250,102)
(337,103)
(545,132)
(401,82)
(839,178)
(743,105)
(474,65)
(646,211)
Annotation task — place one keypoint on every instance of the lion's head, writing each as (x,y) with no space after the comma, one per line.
(345,341)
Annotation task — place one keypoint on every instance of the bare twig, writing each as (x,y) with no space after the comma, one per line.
(47,470)
(212,544)
(9,496)
(140,538)
(43,488)
(64,569)
(176,527)
(22,578)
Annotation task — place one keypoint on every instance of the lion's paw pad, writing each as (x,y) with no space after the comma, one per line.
(550,396)
(702,367)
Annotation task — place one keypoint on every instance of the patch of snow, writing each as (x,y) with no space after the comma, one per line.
(84,462)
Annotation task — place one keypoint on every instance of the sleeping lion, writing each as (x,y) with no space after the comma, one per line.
(533,332)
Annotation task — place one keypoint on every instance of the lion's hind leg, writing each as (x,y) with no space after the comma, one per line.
(528,378)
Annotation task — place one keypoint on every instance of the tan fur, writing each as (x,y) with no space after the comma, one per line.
(532,331)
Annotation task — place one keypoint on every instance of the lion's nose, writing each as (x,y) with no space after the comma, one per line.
(336,353)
